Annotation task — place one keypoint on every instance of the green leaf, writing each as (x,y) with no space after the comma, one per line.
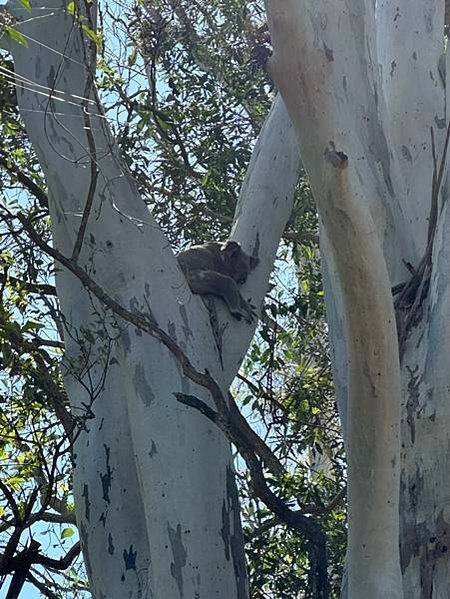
(26,4)
(16,36)
(132,57)
(71,8)
(15,482)
(94,36)
(32,325)
(66,533)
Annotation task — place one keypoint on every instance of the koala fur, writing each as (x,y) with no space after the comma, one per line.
(217,269)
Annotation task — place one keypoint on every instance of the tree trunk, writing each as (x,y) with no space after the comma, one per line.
(364,84)
(155,494)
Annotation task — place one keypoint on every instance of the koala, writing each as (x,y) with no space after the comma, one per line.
(217,269)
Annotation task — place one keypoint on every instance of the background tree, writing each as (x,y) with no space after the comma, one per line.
(365,85)
(195,170)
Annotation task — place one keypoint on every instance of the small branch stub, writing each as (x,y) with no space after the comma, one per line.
(335,157)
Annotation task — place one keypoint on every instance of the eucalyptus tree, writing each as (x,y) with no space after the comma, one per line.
(365,86)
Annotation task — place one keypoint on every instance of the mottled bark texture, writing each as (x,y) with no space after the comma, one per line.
(156,502)
(365,84)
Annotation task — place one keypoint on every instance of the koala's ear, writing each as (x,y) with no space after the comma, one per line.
(253,262)
(230,248)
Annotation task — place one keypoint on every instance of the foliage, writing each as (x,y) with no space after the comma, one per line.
(187,140)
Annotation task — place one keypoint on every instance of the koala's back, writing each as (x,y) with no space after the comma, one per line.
(203,257)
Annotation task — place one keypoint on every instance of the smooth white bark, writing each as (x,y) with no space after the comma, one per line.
(322,67)
(265,204)
(374,86)
(156,499)
(410,45)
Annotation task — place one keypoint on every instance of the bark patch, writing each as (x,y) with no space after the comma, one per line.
(336,158)
(129,558)
(141,385)
(107,477)
(406,154)
(186,326)
(235,538)
(111,548)
(412,533)
(225,530)
(329,54)
(412,404)
(179,556)
(87,503)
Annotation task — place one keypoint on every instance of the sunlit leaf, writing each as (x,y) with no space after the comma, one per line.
(16,36)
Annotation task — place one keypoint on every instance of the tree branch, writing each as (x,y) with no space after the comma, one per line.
(31,287)
(32,187)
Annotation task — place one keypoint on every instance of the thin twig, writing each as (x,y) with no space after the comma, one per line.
(93,158)
(32,187)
